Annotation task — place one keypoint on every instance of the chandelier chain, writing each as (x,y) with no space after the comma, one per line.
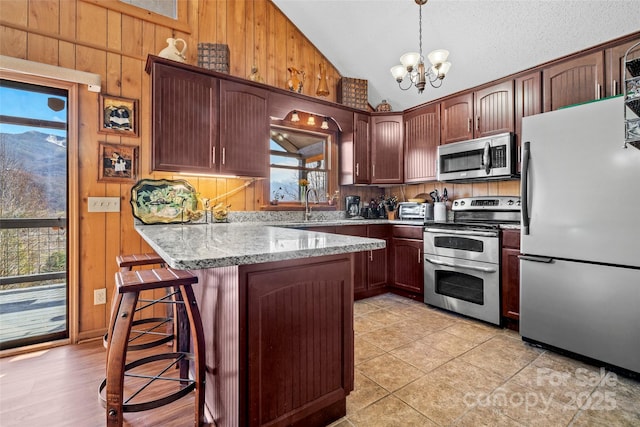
(420,31)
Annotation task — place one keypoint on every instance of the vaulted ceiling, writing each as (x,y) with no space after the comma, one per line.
(487,39)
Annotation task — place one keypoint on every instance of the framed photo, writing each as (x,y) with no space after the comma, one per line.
(117,162)
(118,115)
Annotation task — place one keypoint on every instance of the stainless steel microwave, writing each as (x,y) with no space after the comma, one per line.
(491,157)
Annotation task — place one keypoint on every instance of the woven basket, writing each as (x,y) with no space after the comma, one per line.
(214,56)
(353,93)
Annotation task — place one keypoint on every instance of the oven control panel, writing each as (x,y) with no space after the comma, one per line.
(492,203)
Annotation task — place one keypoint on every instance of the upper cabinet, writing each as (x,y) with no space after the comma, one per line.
(457,118)
(493,109)
(386,149)
(184,120)
(201,124)
(244,134)
(485,112)
(573,81)
(361,152)
(614,59)
(421,140)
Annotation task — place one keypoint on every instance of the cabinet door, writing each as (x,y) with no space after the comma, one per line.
(386,150)
(528,101)
(421,140)
(244,130)
(614,66)
(511,283)
(361,259)
(408,267)
(377,266)
(573,81)
(184,120)
(494,110)
(456,119)
(361,144)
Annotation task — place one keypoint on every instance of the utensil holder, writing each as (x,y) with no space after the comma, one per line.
(440,212)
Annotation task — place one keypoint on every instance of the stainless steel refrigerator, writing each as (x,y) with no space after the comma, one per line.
(580,268)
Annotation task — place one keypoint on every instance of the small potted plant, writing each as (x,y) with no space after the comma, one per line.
(277,195)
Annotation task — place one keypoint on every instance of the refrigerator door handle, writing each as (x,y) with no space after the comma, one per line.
(524,183)
(486,158)
(534,258)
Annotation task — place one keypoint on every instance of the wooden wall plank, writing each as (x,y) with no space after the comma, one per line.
(44,15)
(42,49)
(91,24)
(67,19)
(13,43)
(17,10)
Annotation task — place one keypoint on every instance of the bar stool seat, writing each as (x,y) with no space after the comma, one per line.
(117,398)
(161,328)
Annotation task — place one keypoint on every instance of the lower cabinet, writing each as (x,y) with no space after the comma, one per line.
(371,270)
(510,276)
(406,261)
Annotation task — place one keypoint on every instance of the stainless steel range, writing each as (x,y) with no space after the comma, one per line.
(462,258)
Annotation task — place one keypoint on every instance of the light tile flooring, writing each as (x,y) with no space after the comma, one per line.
(420,366)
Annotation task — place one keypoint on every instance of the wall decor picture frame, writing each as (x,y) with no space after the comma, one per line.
(118,115)
(117,162)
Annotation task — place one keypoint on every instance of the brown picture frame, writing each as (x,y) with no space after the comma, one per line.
(117,162)
(118,116)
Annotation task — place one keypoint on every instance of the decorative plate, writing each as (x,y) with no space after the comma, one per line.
(163,201)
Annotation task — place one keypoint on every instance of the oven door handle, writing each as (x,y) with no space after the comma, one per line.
(462,232)
(469,267)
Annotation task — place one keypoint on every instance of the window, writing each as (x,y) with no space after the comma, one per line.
(163,7)
(301,159)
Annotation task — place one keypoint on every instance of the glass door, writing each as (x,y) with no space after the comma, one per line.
(33,214)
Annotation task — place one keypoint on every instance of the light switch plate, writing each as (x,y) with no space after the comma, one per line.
(104,204)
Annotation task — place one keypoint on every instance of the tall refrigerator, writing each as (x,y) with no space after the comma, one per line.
(580,239)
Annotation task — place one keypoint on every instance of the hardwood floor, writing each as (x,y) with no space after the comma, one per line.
(59,388)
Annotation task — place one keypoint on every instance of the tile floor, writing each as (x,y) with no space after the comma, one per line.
(420,366)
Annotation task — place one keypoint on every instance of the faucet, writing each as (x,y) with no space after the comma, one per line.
(307,208)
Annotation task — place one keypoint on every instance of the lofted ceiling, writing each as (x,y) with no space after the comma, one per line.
(487,39)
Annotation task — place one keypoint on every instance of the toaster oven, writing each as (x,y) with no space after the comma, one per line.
(413,210)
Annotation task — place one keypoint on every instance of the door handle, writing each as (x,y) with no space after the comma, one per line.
(524,187)
(419,256)
(534,258)
(468,267)
(486,158)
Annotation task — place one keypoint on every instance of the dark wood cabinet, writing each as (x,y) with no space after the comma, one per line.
(456,118)
(493,110)
(573,81)
(487,111)
(510,277)
(421,140)
(244,130)
(184,119)
(528,101)
(361,144)
(371,268)
(406,261)
(614,65)
(386,149)
(299,341)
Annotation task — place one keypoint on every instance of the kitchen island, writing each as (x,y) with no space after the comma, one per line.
(277,310)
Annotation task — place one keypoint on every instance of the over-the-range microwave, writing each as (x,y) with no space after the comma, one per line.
(491,157)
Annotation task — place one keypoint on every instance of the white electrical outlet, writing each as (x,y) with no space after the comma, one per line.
(99,296)
(104,204)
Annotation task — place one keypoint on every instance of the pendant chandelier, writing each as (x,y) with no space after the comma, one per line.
(413,65)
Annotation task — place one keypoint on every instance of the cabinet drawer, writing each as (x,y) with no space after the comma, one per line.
(408,231)
(379,231)
(511,239)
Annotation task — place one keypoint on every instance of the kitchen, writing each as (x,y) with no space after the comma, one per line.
(93,319)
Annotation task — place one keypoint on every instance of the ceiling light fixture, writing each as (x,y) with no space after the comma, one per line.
(325,123)
(413,64)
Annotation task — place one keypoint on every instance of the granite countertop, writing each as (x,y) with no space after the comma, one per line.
(200,246)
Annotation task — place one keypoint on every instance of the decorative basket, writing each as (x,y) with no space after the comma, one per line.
(384,106)
(353,93)
(214,56)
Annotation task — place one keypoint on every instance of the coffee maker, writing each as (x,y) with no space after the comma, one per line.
(352,206)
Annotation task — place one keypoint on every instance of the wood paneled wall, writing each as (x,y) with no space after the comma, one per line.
(89,36)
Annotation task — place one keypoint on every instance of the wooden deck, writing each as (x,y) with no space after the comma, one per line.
(32,311)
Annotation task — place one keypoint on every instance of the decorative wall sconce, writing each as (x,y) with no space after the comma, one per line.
(294,116)
(325,123)
(311,121)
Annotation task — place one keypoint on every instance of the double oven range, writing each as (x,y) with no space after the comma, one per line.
(462,258)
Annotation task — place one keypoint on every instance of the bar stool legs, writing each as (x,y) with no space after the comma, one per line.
(117,397)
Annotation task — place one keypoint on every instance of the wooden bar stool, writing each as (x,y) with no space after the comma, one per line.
(119,395)
(162,329)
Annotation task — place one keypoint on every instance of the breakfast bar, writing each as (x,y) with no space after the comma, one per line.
(277,310)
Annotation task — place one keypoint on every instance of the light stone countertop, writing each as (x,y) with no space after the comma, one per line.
(201,246)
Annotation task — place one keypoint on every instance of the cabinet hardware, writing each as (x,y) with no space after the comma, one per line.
(357,169)
(469,125)
(419,256)
(477,122)
(224,152)
(213,154)
(597,90)
(371,256)
(373,170)
(614,87)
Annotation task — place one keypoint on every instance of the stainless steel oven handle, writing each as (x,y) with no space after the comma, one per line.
(462,232)
(469,267)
